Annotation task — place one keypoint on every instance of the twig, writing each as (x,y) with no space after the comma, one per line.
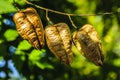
(66,14)
(48,19)
(14,3)
(62,13)
(72,22)
(47,16)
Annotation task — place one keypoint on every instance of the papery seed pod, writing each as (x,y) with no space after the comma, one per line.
(59,41)
(86,39)
(29,26)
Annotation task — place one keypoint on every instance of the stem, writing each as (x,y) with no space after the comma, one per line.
(72,22)
(62,13)
(14,3)
(47,16)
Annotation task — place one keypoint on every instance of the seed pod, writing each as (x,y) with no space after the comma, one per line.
(59,41)
(29,26)
(86,39)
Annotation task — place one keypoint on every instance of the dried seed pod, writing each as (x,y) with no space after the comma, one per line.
(29,26)
(87,40)
(59,41)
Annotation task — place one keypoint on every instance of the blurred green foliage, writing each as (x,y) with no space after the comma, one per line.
(10,35)
(35,64)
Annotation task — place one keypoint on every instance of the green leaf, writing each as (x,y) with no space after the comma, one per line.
(11,35)
(6,7)
(20,2)
(44,65)
(116,62)
(24,45)
(41,66)
(19,52)
(49,66)
(35,55)
(1,57)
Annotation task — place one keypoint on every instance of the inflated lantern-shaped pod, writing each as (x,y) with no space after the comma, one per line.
(29,26)
(59,41)
(86,39)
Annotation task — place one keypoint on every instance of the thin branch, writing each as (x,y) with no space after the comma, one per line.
(72,22)
(47,16)
(48,19)
(14,3)
(62,13)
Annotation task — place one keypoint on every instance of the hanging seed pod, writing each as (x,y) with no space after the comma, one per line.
(29,26)
(86,39)
(59,41)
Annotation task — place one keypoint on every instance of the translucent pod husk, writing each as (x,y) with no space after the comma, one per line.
(59,41)
(87,40)
(29,26)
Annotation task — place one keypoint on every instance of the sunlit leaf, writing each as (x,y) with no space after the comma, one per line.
(24,45)
(109,39)
(35,55)
(40,65)
(44,65)
(111,76)
(6,7)
(49,66)
(1,58)
(116,62)
(11,34)
(20,2)
(1,41)
(19,52)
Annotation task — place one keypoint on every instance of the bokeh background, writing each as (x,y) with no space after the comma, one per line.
(20,61)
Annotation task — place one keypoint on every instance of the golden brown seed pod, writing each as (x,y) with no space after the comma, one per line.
(87,40)
(29,26)
(59,41)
